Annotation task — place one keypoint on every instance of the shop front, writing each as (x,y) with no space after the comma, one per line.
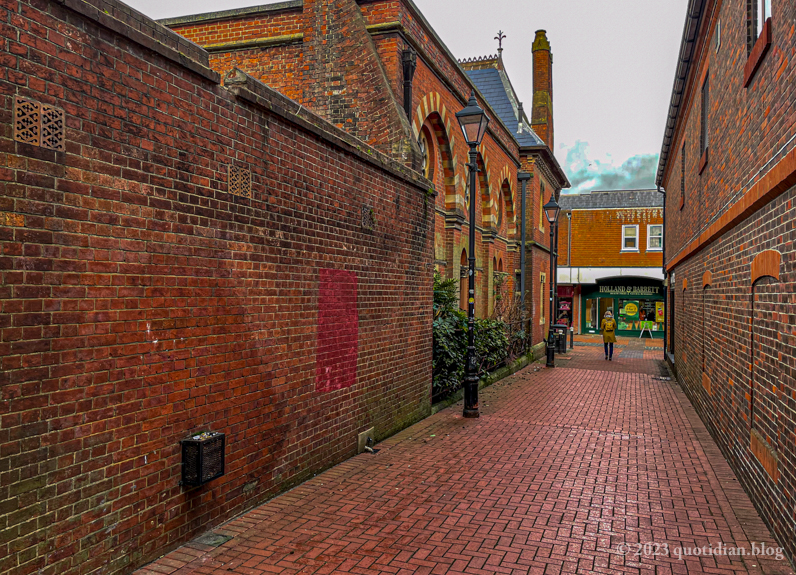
(565,305)
(636,304)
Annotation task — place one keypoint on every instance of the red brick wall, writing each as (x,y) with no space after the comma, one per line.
(723,311)
(748,126)
(597,238)
(738,207)
(242,28)
(141,301)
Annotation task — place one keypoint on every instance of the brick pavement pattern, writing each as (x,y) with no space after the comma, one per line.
(563,466)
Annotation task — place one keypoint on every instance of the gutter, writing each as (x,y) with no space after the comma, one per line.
(692,22)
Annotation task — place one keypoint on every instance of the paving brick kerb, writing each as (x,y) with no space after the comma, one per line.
(563,467)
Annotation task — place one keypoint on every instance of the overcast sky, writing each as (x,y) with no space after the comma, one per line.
(613,67)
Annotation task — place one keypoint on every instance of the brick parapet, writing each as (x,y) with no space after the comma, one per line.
(142,30)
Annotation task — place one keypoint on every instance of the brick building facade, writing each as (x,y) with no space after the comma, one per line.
(179,256)
(610,246)
(378,70)
(728,166)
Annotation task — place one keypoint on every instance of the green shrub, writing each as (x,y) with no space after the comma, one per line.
(450,339)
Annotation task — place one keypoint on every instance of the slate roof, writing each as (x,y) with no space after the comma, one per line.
(612,199)
(495,86)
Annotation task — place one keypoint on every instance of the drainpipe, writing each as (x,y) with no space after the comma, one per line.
(409,60)
(569,265)
(523,177)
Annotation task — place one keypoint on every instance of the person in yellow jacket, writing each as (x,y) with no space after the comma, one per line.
(608,327)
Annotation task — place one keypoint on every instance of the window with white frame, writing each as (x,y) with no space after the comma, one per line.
(630,238)
(763,13)
(758,11)
(655,238)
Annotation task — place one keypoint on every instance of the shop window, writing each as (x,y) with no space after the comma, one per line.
(654,237)
(630,238)
(640,314)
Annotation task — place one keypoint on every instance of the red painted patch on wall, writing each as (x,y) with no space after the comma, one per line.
(338,331)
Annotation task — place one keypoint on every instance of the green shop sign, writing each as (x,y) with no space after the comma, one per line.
(630,290)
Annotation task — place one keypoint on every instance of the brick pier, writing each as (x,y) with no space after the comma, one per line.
(564,466)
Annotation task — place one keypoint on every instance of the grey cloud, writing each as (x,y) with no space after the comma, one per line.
(585,174)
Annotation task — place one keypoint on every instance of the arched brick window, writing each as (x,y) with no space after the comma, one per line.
(706,333)
(764,390)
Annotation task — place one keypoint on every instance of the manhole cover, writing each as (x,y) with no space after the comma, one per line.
(213,539)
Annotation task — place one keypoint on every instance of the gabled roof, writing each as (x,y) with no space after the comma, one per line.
(611,199)
(495,86)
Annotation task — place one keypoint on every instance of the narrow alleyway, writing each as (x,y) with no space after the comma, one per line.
(566,471)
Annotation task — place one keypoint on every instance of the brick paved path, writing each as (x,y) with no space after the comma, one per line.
(564,466)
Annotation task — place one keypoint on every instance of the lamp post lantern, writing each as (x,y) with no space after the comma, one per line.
(473,122)
(551,210)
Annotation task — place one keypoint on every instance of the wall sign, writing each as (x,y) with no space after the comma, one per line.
(629,290)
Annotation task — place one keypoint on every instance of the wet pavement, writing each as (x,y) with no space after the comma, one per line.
(591,467)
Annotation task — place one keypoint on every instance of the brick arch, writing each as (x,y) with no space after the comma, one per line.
(433,111)
(488,207)
(508,200)
(707,279)
(766,263)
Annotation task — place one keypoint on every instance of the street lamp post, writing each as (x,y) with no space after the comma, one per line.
(473,122)
(551,210)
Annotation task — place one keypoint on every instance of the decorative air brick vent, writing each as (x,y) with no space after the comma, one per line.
(240,181)
(368,218)
(38,124)
(202,458)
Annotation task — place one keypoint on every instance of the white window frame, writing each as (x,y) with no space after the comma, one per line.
(763,14)
(649,235)
(624,227)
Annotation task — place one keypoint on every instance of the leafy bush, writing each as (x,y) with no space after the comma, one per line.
(491,344)
(450,339)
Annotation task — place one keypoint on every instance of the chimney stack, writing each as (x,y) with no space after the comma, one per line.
(542,115)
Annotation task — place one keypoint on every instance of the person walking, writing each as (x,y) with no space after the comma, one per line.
(608,327)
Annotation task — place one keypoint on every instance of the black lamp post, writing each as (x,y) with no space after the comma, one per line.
(473,122)
(551,210)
